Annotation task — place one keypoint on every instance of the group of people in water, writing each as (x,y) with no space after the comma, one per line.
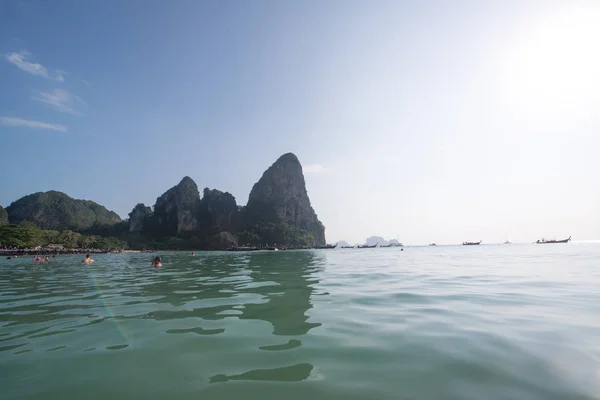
(156,261)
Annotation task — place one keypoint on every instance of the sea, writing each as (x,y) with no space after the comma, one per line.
(486,322)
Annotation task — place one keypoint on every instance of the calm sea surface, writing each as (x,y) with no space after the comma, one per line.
(480,322)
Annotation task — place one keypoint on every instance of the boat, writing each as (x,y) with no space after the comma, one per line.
(397,245)
(347,247)
(244,248)
(386,245)
(544,241)
(432,244)
(507,242)
(367,246)
(472,243)
(327,246)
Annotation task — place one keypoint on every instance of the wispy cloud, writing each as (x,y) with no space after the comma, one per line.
(25,123)
(20,60)
(61,100)
(60,75)
(313,168)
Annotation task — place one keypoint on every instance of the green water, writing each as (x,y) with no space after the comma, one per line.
(487,322)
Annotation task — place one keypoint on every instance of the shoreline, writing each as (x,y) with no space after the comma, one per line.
(47,252)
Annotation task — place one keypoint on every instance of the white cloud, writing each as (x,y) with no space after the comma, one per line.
(313,168)
(60,75)
(20,60)
(61,100)
(19,122)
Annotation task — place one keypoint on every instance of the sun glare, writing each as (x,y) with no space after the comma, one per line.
(557,61)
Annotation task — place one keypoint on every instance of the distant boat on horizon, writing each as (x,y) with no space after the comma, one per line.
(472,243)
(432,244)
(348,247)
(507,242)
(544,241)
(327,246)
(367,246)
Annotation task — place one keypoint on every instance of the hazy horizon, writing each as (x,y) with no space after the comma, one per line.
(425,123)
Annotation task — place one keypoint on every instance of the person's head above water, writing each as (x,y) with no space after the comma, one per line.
(87,256)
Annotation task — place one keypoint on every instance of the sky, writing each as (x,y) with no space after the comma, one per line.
(438,121)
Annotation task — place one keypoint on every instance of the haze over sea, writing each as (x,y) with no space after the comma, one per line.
(449,322)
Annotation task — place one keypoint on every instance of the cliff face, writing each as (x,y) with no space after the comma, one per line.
(218,211)
(3,216)
(138,217)
(176,211)
(280,198)
(56,210)
(373,240)
(278,213)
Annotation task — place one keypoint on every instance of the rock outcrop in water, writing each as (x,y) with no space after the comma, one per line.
(279,210)
(3,216)
(373,240)
(176,211)
(56,210)
(138,217)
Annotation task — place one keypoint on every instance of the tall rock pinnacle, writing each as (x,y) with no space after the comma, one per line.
(281,194)
(176,210)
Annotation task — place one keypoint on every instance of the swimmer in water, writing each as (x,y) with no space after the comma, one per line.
(157,262)
(88,259)
(193,253)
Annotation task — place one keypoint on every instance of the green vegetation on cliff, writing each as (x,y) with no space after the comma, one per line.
(278,212)
(28,236)
(56,210)
(3,216)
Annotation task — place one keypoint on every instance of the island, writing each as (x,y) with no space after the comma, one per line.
(278,213)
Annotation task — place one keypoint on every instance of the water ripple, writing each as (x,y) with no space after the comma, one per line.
(494,322)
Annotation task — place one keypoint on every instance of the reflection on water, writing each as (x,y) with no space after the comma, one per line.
(50,308)
(493,322)
(292,373)
(288,291)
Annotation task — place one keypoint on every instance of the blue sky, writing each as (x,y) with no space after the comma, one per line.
(431,121)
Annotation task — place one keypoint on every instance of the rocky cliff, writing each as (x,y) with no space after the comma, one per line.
(280,200)
(56,210)
(278,213)
(218,211)
(3,216)
(373,240)
(176,211)
(138,217)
